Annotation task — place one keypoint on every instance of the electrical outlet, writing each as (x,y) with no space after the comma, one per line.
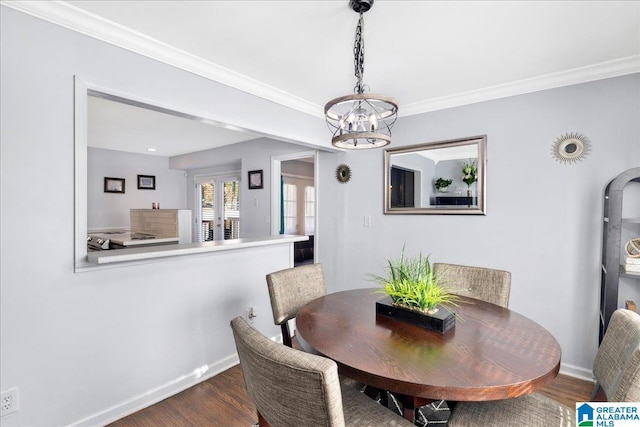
(9,402)
(251,314)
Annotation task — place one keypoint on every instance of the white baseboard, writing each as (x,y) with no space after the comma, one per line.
(576,372)
(153,396)
(203,373)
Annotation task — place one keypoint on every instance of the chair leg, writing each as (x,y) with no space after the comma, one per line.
(286,334)
(261,421)
(598,394)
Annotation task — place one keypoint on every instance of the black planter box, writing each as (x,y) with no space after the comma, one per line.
(440,321)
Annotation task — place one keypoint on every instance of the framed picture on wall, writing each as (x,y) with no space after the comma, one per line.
(113,185)
(146,182)
(255,180)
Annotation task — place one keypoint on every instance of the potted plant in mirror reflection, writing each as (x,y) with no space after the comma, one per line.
(469,174)
(442,184)
(416,293)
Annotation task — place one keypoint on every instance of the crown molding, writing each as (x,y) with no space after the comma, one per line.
(68,16)
(604,70)
(81,21)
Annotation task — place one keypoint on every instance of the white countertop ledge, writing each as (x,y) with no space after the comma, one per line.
(151,252)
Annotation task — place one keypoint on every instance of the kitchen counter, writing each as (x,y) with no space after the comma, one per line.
(130,240)
(162,251)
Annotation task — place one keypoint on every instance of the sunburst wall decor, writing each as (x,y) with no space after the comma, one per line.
(343,174)
(570,147)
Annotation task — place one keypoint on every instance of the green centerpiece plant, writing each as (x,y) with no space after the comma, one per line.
(411,284)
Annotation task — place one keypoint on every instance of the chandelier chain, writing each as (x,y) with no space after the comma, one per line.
(358,54)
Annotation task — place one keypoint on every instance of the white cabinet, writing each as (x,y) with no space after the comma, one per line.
(162,223)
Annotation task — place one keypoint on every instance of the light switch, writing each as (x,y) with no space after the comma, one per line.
(367,221)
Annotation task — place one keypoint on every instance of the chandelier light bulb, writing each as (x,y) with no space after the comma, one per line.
(373,120)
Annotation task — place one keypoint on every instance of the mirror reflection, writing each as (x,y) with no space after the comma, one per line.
(195,191)
(446,177)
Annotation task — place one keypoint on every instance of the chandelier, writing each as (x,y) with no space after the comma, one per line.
(361,120)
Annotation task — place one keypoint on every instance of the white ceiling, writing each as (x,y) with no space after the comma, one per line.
(447,153)
(122,127)
(429,55)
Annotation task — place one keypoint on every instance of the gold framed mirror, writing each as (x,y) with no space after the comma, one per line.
(442,178)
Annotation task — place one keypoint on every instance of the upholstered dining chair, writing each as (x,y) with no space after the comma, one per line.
(292,288)
(616,369)
(289,290)
(485,284)
(291,388)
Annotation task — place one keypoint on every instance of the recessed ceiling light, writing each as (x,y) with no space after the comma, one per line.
(151,149)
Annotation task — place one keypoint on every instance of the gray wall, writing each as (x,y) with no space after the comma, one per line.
(96,344)
(297,167)
(251,155)
(111,210)
(452,169)
(543,219)
(423,168)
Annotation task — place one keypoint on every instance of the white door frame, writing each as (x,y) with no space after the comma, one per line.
(276,169)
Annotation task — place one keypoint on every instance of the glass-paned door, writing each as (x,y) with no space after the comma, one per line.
(207,217)
(309,210)
(290,205)
(298,205)
(218,208)
(231,206)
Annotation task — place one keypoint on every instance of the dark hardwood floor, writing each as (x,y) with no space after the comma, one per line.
(223,401)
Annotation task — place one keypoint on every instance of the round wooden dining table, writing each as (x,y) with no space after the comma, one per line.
(491,353)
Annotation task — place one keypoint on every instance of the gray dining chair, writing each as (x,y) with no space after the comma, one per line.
(292,288)
(291,388)
(485,284)
(289,290)
(616,369)
(481,283)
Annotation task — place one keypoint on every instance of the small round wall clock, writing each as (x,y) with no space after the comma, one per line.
(570,147)
(343,174)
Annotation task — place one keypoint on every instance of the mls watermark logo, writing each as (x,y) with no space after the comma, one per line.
(607,414)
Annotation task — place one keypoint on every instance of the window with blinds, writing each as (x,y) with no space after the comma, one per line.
(298,200)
